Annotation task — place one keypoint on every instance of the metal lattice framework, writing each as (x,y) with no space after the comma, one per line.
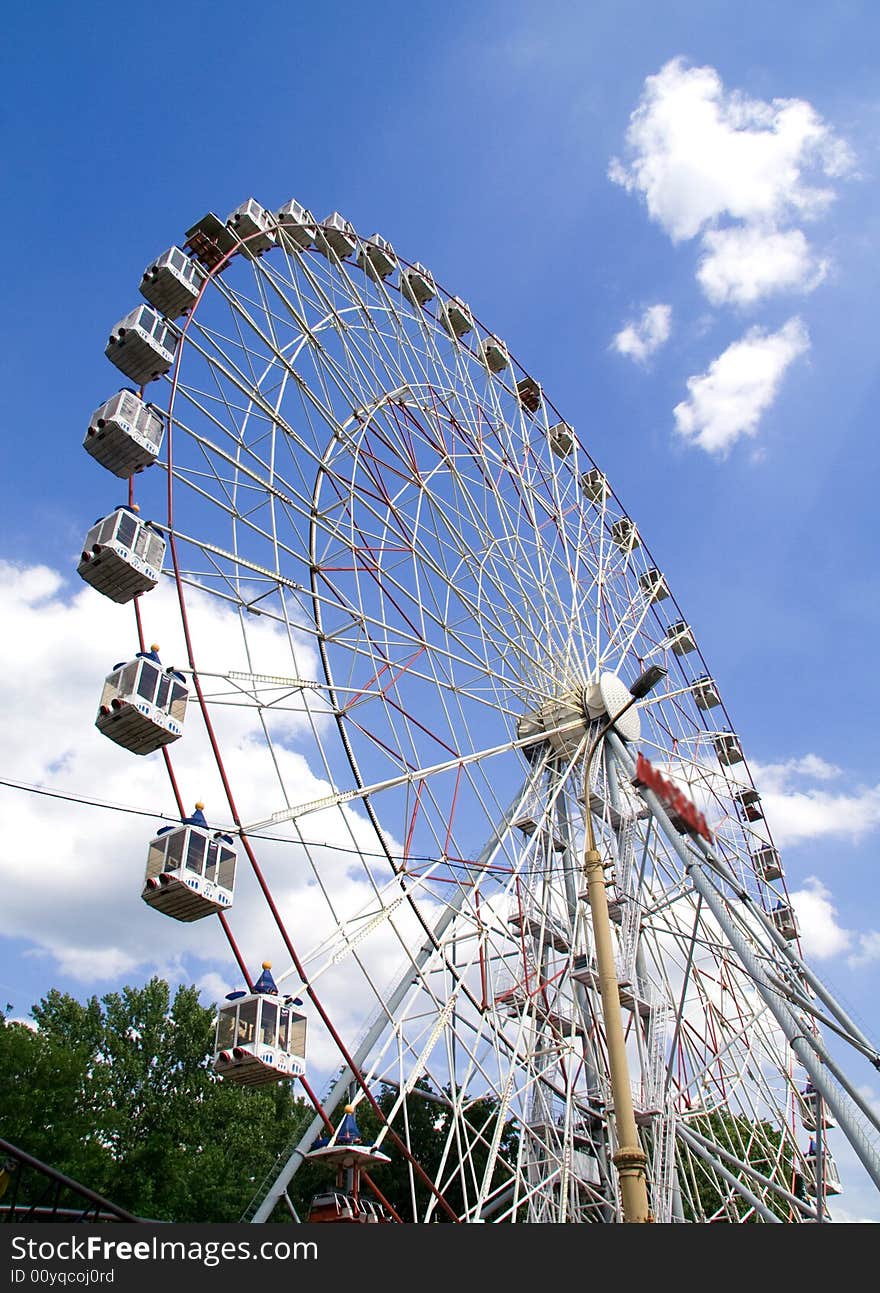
(448,574)
(31,1190)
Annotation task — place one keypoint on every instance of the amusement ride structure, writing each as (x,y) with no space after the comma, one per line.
(536,858)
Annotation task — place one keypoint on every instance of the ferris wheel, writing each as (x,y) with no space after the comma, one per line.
(478,679)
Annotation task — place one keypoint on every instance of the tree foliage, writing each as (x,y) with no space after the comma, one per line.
(119,1094)
(755,1142)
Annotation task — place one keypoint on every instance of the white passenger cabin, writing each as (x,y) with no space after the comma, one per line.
(811,1101)
(335,236)
(142,705)
(528,392)
(376,257)
(594,486)
(784,919)
(142,345)
(122,555)
(125,434)
(346,1151)
(298,223)
(345,1148)
(653,585)
(253,224)
(456,317)
(749,802)
(681,638)
(767,863)
(706,692)
(172,283)
(728,748)
(190,870)
(494,354)
(260,1038)
(625,535)
(211,241)
(341,1207)
(561,438)
(417,283)
(830,1174)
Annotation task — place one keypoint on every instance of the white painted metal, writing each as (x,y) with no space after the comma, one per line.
(253,224)
(122,556)
(125,434)
(172,283)
(142,706)
(456,317)
(260,1039)
(384,508)
(335,236)
(190,873)
(297,223)
(142,345)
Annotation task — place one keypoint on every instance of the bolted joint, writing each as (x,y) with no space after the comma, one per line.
(630,1160)
(592,861)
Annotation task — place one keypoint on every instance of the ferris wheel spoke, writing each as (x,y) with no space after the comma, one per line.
(360,354)
(260,470)
(408,778)
(222,367)
(411,633)
(410,641)
(420,554)
(296,316)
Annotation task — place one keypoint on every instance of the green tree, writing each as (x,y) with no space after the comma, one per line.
(45,1101)
(120,1095)
(755,1142)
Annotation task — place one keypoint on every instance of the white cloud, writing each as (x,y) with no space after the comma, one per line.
(868,950)
(736,171)
(777,776)
(846,1217)
(869,1095)
(72,874)
(699,153)
(800,812)
(812,765)
(642,338)
(728,400)
(212,988)
(821,935)
(743,263)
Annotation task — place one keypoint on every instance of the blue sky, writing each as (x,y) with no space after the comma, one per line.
(480,139)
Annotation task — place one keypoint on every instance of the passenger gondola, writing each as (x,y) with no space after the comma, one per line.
(190,870)
(260,1038)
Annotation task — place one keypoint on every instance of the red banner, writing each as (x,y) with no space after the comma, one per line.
(685,816)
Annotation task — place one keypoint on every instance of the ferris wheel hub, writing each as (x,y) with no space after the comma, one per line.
(607,698)
(564,722)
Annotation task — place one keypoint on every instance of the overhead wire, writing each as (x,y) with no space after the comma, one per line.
(407,860)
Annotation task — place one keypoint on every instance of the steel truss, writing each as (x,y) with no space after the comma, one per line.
(399,577)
